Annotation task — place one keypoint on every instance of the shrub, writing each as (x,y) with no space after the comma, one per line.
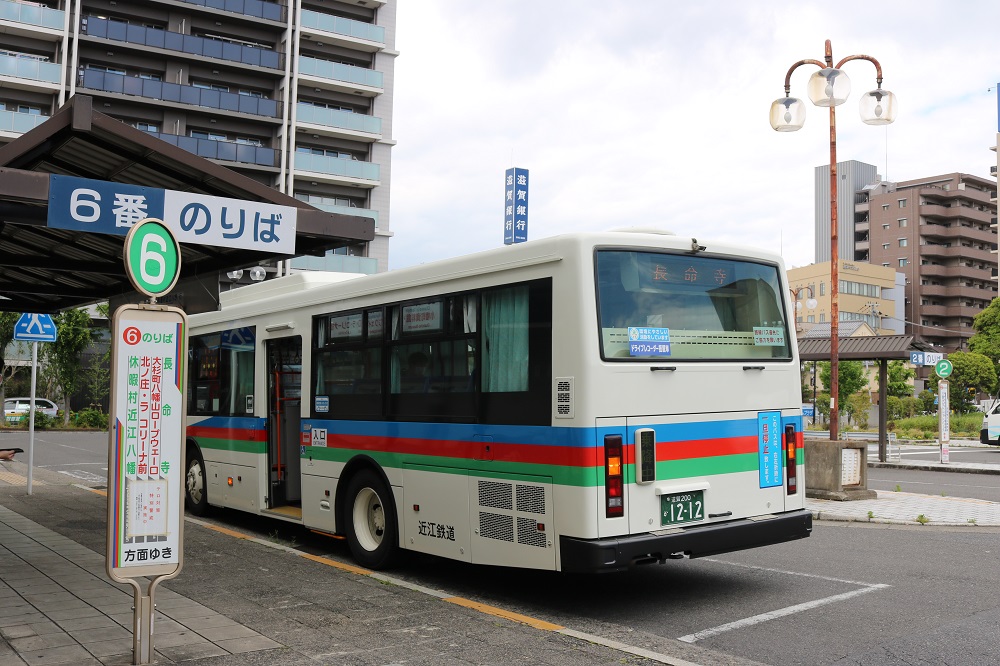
(91,418)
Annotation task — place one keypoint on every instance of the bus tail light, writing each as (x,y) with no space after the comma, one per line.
(614,490)
(793,481)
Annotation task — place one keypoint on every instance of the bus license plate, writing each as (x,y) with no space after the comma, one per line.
(682,508)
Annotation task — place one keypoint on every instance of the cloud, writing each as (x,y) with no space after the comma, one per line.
(655,113)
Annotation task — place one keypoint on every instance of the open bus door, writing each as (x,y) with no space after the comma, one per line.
(284,397)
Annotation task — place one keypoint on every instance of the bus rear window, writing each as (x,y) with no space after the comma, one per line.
(660,306)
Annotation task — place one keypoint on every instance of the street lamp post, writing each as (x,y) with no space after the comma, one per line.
(830,87)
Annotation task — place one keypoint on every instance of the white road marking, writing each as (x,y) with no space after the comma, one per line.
(782,612)
(83,475)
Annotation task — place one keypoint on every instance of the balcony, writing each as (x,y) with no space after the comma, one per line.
(956,251)
(199,47)
(27,73)
(954,232)
(224,151)
(339,263)
(270,11)
(33,21)
(343,210)
(957,291)
(336,170)
(174,92)
(949,311)
(14,124)
(338,123)
(342,31)
(339,77)
(967,272)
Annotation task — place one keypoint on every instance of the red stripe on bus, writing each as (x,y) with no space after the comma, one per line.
(236,434)
(567,456)
(705,448)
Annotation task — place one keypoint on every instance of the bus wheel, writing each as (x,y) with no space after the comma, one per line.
(371,524)
(195,496)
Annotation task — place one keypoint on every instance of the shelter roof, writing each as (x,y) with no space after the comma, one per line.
(44,269)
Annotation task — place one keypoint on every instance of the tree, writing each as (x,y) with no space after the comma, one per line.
(986,340)
(65,354)
(971,371)
(899,376)
(926,399)
(7,322)
(858,405)
(98,376)
(851,378)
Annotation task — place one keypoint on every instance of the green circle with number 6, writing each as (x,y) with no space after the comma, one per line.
(152,257)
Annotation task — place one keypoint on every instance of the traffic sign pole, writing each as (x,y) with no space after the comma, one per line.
(31,413)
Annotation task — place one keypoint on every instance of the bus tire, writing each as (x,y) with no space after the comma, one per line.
(196,486)
(372,532)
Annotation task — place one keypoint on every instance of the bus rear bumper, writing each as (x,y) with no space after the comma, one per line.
(622,553)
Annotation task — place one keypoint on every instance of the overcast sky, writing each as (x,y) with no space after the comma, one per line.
(650,112)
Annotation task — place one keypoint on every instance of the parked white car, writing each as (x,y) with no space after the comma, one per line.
(15,408)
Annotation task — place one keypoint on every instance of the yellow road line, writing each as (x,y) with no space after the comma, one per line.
(96,491)
(336,565)
(224,530)
(499,612)
(18,480)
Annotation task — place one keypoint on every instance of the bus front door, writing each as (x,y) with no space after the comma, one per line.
(284,396)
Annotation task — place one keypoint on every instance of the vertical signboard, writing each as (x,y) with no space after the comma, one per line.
(769,457)
(515,221)
(146,452)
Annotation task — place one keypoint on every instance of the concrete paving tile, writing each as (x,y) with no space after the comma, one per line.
(17,631)
(70,654)
(20,608)
(109,648)
(175,638)
(11,659)
(36,643)
(97,634)
(194,651)
(207,622)
(71,613)
(45,627)
(26,618)
(91,622)
(251,644)
(227,632)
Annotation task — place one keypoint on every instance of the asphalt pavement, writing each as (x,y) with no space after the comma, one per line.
(246,600)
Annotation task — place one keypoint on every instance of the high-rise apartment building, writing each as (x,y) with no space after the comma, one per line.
(940,232)
(297,94)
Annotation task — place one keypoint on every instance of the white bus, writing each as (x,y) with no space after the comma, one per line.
(587,402)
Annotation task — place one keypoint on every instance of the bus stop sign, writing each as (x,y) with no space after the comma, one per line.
(943,368)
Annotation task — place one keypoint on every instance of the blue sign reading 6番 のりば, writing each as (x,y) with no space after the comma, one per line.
(103,207)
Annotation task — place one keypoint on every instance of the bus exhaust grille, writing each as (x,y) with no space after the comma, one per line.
(496,495)
(496,526)
(531,499)
(564,397)
(528,533)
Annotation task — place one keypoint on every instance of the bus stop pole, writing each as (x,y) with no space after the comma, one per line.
(31,413)
(883,409)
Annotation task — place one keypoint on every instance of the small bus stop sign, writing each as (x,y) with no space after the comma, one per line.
(943,368)
(152,258)
(35,328)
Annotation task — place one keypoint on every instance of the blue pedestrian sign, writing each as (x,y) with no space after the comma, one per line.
(35,328)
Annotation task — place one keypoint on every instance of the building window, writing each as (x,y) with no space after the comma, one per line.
(885,226)
(822,318)
(902,222)
(886,265)
(902,203)
(811,319)
(146,127)
(885,246)
(885,206)
(214,136)
(822,288)
(903,242)
(903,262)
(209,86)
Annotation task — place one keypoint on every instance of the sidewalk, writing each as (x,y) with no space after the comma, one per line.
(243,601)
(246,601)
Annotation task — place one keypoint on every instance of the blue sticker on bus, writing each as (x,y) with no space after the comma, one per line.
(648,341)
(769,448)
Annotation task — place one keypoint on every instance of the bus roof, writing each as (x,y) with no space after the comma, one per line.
(309,288)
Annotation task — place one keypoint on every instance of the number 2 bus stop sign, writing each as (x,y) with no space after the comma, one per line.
(943,368)
(146,439)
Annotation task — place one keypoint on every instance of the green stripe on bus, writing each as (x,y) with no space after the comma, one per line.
(561,475)
(236,445)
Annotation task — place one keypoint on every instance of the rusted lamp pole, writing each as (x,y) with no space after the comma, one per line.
(830,87)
